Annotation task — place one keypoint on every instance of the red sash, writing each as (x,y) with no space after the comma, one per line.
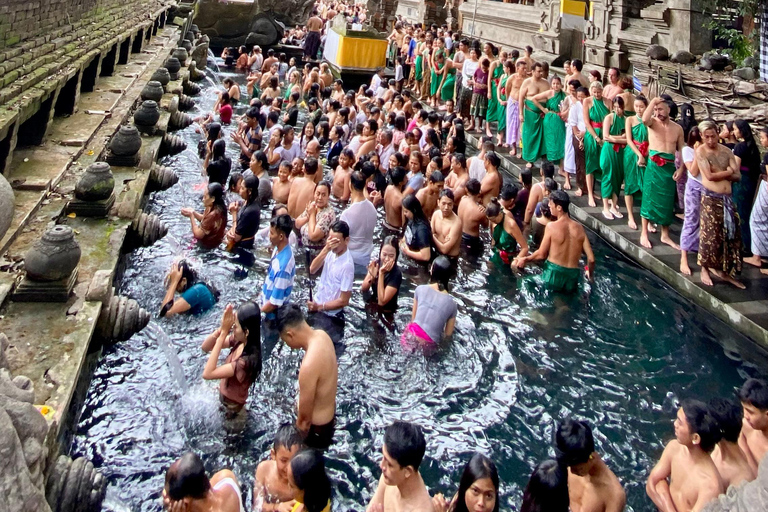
(596,124)
(642,147)
(660,160)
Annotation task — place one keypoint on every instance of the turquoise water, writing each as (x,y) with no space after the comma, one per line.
(619,355)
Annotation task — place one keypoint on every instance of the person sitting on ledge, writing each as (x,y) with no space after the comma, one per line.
(196,297)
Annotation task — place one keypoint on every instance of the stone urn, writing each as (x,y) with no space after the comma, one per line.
(194,29)
(181,54)
(126,142)
(152,91)
(7,203)
(173,66)
(187,45)
(54,256)
(161,75)
(96,184)
(146,116)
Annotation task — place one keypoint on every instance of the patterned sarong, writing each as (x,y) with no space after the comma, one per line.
(720,239)
(513,122)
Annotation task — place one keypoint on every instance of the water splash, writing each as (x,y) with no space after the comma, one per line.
(157,334)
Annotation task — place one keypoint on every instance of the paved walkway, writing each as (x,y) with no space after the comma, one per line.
(744,310)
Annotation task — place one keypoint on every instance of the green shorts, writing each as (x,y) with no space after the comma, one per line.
(561,279)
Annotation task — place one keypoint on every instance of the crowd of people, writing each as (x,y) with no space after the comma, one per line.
(399,146)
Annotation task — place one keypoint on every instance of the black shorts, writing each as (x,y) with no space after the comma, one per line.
(473,244)
(321,436)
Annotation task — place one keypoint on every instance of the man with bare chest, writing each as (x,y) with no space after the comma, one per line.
(665,137)
(429,195)
(393,200)
(685,479)
(272,491)
(513,85)
(302,189)
(753,396)
(312,40)
(531,116)
(472,215)
(720,235)
(592,486)
(446,226)
(729,458)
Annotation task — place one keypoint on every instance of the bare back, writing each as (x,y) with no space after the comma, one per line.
(472,216)
(566,242)
(302,190)
(320,369)
(732,464)
(393,206)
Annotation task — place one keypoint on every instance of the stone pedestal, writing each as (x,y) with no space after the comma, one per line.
(99,208)
(45,291)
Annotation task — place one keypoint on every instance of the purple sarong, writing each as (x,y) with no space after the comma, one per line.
(513,122)
(689,237)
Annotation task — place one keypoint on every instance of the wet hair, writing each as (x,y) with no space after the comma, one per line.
(433,138)
(216,192)
(446,192)
(575,84)
(348,153)
(479,467)
(461,159)
(687,119)
(413,205)
(440,272)
(547,489)
(393,242)
(493,208)
(642,99)
(560,198)
(397,175)
(548,169)
(473,187)
(436,177)
(728,415)
(251,182)
(287,436)
(214,131)
(550,184)
(509,191)
(357,181)
(261,157)
(289,315)
(310,166)
(324,183)
(282,223)
(749,138)
(249,316)
(526,177)
(218,149)
(308,467)
(701,422)
(574,442)
(754,392)
(577,64)
(400,123)
(585,91)
(253,113)
(340,227)
(186,478)
(405,441)
(493,158)
(234,180)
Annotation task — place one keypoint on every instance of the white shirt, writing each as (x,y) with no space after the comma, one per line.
(576,117)
(398,72)
(689,155)
(477,169)
(468,71)
(361,217)
(337,277)
(287,155)
(375,82)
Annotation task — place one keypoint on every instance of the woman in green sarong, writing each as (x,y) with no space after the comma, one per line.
(612,159)
(496,69)
(595,109)
(554,124)
(501,92)
(635,156)
(443,78)
(505,235)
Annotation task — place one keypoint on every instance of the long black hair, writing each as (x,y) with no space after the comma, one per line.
(749,139)
(413,205)
(249,316)
(394,243)
(308,467)
(440,272)
(547,489)
(687,119)
(478,468)
(216,192)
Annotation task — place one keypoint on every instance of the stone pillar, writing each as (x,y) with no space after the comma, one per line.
(597,34)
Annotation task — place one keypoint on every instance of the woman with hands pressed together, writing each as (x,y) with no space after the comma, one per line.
(213,221)
(384,276)
(241,333)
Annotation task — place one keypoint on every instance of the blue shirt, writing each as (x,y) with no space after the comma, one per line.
(411,47)
(199,297)
(279,281)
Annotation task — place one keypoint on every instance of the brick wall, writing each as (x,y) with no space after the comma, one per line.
(23,20)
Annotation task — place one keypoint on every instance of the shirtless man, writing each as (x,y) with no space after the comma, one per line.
(318,376)
(528,58)
(401,488)
(458,177)
(312,40)
(576,67)
(472,215)
(613,89)
(446,226)
(693,477)
(338,93)
(592,486)
(187,487)
(429,195)
(393,200)
(340,188)
(719,254)
(730,460)
(531,116)
(665,137)
(538,191)
(562,246)
(271,483)
(512,87)
(267,64)
(302,189)
(492,181)
(753,396)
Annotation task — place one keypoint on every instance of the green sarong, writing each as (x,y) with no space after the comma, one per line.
(449,86)
(597,113)
(612,161)
(554,128)
(436,77)
(560,279)
(418,72)
(503,108)
(659,189)
(492,115)
(533,132)
(633,175)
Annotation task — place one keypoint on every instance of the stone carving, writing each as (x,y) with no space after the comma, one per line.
(173,66)
(187,45)
(191,88)
(683,57)
(262,22)
(194,73)
(180,120)
(126,142)
(96,183)
(152,91)
(181,54)
(657,52)
(146,117)
(161,75)
(172,145)
(75,485)
(7,203)
(162,177)
(121,318)
(54,256)
(185,102)
(147,228)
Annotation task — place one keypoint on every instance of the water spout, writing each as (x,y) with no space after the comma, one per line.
(157,334)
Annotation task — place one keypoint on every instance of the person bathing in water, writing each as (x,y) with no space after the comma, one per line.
(196,297)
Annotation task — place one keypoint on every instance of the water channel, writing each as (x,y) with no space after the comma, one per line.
(619,355)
